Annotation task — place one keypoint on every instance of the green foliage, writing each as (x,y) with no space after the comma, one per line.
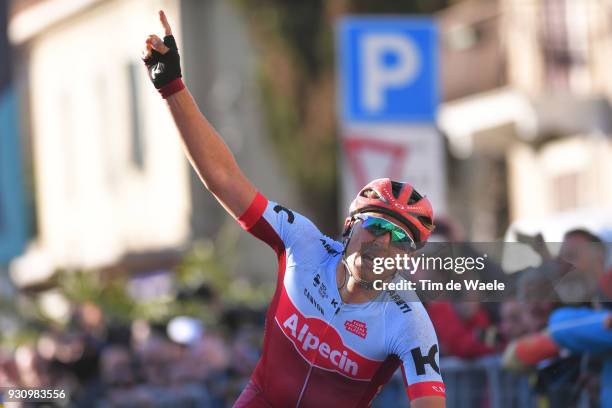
(208,263)
(211,263)
(24,335)
(110,294)
(15,331)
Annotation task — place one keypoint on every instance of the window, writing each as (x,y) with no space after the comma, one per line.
(564,42)
(137,146)
(107,134)
(69,150)
(554,43)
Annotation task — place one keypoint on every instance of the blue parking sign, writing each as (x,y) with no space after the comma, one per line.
(388,70)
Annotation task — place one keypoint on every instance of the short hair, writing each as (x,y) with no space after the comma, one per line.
(589,237)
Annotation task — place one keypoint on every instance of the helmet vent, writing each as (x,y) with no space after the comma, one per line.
(396,188)
(426,221)
(373,195)
(414,197)
(370,193)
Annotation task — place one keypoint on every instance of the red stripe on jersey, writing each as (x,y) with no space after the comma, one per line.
(320,344)
(253,213)
(257,225)
(426,389)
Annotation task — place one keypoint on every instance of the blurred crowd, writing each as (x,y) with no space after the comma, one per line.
(101,363)
(471,326)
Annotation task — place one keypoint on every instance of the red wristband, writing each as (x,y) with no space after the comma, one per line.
(171,88)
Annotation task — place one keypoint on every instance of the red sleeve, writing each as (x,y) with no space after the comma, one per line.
(425,389)
(254,212)
(254,221)
(533,348)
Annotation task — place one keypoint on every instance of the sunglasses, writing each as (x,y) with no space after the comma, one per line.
(379,226)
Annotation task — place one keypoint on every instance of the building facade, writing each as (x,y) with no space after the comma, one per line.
(110,177)
(527,111)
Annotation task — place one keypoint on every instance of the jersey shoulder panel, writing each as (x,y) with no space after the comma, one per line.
(284,229)
(407,321)
(411,337)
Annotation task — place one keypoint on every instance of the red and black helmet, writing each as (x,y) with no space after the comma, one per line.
(398,200)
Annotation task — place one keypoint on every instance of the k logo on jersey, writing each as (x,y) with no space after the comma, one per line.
(420,360)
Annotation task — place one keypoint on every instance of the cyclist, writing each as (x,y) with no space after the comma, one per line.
(330,339)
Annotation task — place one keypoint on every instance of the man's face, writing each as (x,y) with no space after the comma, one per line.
(578,254)
(365,246)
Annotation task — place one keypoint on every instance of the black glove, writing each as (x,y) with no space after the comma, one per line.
(164,69)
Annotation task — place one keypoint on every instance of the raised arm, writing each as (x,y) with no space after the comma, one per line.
(206,151)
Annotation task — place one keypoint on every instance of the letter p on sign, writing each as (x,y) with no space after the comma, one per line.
(388,70)
(389,61)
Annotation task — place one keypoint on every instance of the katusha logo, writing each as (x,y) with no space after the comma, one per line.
(356,327)
(321,344)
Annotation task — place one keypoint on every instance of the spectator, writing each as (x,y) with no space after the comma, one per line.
(511,324)
(581,266)
(581,328)
(32,370)
(118,377)
(462,328)
(537,297)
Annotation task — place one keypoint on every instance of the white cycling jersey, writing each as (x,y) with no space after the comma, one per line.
(318,351)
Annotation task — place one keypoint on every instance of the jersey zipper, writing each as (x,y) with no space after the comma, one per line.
(304,386)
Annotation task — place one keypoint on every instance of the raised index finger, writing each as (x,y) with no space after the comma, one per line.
(164,21)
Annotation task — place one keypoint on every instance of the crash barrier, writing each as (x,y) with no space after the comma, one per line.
(483,383)
(480,383)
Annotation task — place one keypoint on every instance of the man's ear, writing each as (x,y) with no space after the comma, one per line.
(348,224)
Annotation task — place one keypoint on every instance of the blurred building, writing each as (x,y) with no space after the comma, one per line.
(527,90)
(111,182)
